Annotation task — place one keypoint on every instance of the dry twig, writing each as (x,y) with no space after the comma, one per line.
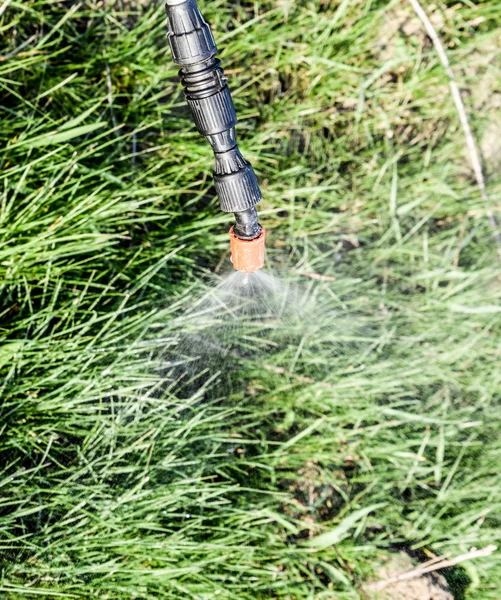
(463,117)
(4,6)
(318,276)
(434,565)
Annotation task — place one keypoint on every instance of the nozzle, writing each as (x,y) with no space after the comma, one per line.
(247,241)
(247,255)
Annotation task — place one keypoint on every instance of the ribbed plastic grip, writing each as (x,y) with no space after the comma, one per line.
(214,114)
(238,191)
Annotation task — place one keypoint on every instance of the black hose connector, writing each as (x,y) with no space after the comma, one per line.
(246,225)
(209,99)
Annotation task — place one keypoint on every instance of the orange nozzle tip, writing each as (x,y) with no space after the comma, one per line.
(247,255)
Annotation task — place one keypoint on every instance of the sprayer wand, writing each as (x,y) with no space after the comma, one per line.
(212,109)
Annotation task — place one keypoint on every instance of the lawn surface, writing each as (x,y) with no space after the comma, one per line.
(319,445)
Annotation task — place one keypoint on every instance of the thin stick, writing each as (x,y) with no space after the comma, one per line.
(463,117)
(442,564)
(4,6)
(17,50)
(110,95)
(318,276)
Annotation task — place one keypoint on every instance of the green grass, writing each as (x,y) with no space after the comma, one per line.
(379,423)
